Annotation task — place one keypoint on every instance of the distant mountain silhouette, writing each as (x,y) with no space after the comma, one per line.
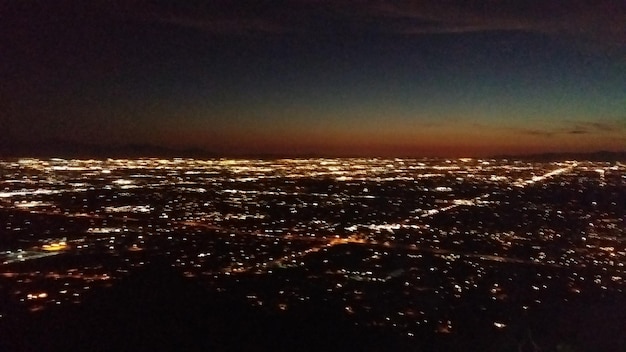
(66,149)
(592,156)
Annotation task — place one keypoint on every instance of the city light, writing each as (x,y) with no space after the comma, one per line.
(511,235)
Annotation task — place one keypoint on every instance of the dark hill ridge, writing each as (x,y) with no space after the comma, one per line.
(157,309)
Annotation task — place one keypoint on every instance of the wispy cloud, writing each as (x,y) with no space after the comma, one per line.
(577,132)
(578,17)
(598,126)
(577,128)
(535,132)
(602,126)
(600,20)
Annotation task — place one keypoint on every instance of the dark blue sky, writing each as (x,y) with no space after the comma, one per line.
(316,77)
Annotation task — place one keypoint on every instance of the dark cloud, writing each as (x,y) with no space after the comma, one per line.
(602,126)
(598,126)
(578,132)
(578,128)
(601,20)
(535,132)
(597,20)
(583,17)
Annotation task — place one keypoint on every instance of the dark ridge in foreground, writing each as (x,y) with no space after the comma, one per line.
(157,309)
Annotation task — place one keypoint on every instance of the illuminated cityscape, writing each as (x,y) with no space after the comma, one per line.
(323,175)
(405,245)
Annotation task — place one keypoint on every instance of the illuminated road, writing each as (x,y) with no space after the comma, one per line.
(522,184)
(536,179)
(17,257)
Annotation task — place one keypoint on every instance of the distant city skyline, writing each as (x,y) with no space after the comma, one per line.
(327,78)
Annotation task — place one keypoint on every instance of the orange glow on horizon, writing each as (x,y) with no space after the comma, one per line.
(450,140)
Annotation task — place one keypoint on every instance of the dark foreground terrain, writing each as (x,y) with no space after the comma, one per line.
(157,309)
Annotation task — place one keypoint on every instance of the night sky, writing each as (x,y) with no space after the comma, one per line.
(304,77)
